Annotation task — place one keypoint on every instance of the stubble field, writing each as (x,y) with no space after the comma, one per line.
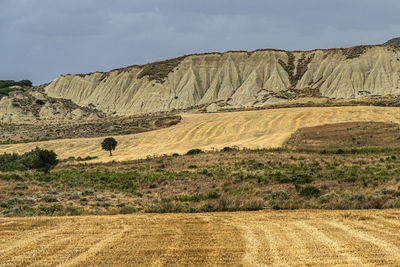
(277,238)
(251,129)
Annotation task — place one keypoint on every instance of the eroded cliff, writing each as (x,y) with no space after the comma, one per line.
(235,79)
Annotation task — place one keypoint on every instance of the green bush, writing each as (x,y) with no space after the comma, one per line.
(41,159)
(310,191)
(6,84)
(194,151)
(9,83)
(278,195)
(388,191)
(228,149)
(326,198)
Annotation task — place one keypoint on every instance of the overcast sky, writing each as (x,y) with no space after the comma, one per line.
(41,39)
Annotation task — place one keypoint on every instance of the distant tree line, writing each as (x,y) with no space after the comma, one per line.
(5,86)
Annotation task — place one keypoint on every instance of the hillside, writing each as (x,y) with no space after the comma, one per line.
(34,105)
(251,129)
(395,41)
(235,79)
(7,86)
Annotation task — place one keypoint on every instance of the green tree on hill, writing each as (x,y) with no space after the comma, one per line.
(109,144)
(7,86)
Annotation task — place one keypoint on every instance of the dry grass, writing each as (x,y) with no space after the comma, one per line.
(43,131)
(252,129)
(343,135)
(231,239)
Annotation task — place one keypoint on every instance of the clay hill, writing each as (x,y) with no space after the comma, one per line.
(212,82)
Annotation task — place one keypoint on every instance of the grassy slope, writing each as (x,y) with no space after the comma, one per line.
(222,181)
(331,168)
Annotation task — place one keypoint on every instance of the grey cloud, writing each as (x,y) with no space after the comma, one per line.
(41,39)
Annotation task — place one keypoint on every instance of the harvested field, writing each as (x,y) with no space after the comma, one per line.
(251,129)
(348,134)
(11,133)
(277,238)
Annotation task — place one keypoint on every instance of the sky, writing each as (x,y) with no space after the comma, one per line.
(42,39)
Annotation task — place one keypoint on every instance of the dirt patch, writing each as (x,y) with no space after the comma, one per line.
(158,71)
(301,67)
(297,93)
(355,51)
(289,67)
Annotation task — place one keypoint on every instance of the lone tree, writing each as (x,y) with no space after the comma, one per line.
(109,144)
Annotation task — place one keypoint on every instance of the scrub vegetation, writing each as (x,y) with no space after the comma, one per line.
(345,177)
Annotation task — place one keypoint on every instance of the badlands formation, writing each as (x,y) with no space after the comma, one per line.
(213,82)
(235,79)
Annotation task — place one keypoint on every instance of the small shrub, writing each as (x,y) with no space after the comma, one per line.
(339,151)
(278,195)
(87,192)
(50,198)
(310,191)
(11,177)
(127,210)
(48,210)
(213,195)
(253,204)
(388,191)
(326,198)
(52,192)
(375,202)
(13,201)
(72,211)
(227,149)
(194,151)
(302,178)
(39,102)
(75,195)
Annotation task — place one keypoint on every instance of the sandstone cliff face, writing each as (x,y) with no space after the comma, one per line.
(234,79)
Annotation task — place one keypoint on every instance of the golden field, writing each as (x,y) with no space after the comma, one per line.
(276,238)
(251,129)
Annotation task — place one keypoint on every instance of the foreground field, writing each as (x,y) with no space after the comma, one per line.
(251,129)
(244,238)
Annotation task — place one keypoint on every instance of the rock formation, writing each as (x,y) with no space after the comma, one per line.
(234,79)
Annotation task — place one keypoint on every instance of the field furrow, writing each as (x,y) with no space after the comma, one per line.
(302,238)
(251,129)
